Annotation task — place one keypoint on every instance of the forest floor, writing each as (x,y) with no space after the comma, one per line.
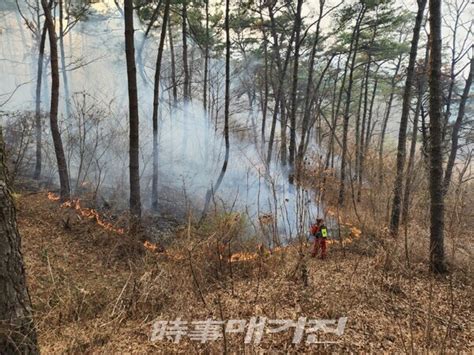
(92,293)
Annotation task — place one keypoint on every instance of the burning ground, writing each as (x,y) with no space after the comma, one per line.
(95,290)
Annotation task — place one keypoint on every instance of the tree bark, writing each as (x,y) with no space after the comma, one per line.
(402,135)
(437,263)
(17,329)
(38,123)
(156,102)
(134,147)
(57,141)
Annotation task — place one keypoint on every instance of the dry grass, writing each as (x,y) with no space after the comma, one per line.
(91,297)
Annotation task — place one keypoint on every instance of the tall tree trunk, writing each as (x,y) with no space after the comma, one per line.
(58,144)
(173,64)
(156,101)
(411,158)
(265,81)
(17,330)
(281,78)
(184,15)
(38,123)
(283,128)
(345,127)
(437,263)
(134,148)
(226,111)
(402,135)
(294,89)
(457,128)
(206,59)
(308,94)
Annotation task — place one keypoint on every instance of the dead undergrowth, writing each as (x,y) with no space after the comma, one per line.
(91,296)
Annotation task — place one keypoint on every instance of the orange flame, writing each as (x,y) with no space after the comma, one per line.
(86,213)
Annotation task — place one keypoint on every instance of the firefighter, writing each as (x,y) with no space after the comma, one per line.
(320,234)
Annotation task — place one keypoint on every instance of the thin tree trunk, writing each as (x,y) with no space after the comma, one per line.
(173,64)
(134,149)
(38,123)
(402,135)
(281,79)
(414,137)
(206,59)
(283,124)
(63,60)
(294,88)
(457,128)
(156,101)
(58,144)
(17,329)
(345,128)
(308,95)
(385,119)
(226,111)
(184,15)
(437,263)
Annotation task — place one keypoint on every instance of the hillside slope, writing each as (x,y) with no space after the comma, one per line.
(91,293)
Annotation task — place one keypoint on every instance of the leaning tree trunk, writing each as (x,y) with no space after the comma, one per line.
(135,203)
(156,101)
(457,128)
(17,330)
(58,144)
(437,263)
(402,135)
